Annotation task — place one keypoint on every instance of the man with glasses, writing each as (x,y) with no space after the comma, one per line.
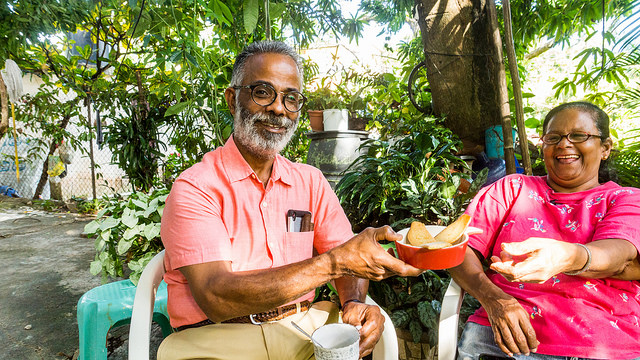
(250,235)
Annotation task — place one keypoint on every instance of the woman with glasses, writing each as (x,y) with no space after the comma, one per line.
(561,250)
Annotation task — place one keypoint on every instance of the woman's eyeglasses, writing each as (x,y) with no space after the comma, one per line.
(265,95)
(573,137)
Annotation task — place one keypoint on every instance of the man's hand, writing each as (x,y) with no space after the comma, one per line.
(363,257)
(371,320)
(512,329)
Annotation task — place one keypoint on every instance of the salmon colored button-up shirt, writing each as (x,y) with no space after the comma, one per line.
(219,210)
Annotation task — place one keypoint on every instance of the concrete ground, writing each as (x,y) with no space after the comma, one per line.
(45,270)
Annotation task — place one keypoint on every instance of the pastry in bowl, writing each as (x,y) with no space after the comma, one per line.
(443,247)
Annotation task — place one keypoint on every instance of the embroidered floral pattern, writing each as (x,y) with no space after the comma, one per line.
(536,312)
(508,223)
(572,225)
(595,201)
(535,196)
(538,225)
(590,286)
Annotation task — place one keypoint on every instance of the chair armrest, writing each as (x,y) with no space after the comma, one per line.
(142,314)
(387,347)
(448,326)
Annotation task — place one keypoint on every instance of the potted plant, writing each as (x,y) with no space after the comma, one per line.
(397,182)
(357,106)
(316,103)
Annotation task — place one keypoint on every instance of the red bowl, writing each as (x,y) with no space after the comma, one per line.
(435,259)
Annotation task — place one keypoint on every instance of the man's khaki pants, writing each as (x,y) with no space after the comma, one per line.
(269,341)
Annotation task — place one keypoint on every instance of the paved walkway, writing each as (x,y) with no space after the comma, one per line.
(45,269)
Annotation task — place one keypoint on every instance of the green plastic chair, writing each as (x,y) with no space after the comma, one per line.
(110,305)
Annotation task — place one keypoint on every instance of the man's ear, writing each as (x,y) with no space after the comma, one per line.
(230,96)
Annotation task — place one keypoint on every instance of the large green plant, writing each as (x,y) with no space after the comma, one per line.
(407,178)
(136,146)
(127,235)
(414,303)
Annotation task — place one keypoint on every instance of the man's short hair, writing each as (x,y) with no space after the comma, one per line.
(263,47)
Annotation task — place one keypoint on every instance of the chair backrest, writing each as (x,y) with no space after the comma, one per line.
(448,326)
(140,329)
(387,347)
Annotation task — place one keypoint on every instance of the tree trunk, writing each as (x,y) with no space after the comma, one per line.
(4,108)
(465,67)
(52,147)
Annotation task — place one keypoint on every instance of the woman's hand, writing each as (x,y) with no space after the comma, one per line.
(536,260)
(511,327)
(371,320)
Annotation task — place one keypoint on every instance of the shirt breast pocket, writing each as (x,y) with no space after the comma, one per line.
(298,246)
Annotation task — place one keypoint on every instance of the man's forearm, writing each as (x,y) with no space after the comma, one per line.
(225,294)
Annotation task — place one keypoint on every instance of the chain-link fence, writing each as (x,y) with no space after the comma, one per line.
(75,181)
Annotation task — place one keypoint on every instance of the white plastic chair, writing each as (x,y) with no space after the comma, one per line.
(140,329)
(448,326)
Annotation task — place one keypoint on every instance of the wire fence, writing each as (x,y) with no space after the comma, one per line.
(76,181)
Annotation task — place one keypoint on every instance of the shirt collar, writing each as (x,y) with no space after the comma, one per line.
(238,169)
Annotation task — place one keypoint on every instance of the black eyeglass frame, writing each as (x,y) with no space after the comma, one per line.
(284,94)
(568,136)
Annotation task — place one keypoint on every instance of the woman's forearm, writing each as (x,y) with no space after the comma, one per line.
(614,258)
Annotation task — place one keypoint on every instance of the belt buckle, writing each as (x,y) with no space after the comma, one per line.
(253,321)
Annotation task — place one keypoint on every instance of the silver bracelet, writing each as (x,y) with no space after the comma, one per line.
(585,267)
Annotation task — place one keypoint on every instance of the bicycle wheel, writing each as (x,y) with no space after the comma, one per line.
(419,91)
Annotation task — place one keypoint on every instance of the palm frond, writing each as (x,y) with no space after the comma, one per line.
(627,166)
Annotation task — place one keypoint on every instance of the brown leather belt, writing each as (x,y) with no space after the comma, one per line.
(276,314)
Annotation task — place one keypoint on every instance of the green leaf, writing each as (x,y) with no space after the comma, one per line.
(428,317)
(130,233)
(102,212)
(276,10)
(415,328)
(99,243)
(418,291)
(151,231)
(95,268)
(226,12)
(176,109)
(400,318)
(153,206)
(109,223)
(91,227)
(129,219)
(105,235)
(140,204)
(123,246)
(250,14)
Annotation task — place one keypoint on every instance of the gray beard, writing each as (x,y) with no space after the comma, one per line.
(262,144)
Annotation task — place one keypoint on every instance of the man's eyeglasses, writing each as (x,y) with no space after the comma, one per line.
(265,95)
(573,137)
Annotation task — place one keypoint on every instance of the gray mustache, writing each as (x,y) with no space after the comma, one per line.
(280,121)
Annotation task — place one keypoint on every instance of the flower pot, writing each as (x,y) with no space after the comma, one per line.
(357,123)
(336,120)
(316,120)
(408,350)
(334,151)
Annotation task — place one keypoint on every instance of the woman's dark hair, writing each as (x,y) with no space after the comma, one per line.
(600,119)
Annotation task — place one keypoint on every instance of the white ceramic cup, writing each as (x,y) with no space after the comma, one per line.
(336,342)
